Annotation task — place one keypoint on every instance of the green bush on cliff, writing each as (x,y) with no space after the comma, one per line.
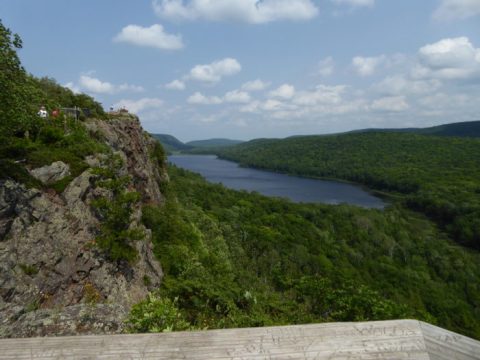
(117,235)
(157,314)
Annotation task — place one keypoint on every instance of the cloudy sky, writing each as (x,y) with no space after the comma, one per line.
(260,68)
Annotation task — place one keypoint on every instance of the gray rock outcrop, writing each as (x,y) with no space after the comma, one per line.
(52,173)
(54,280)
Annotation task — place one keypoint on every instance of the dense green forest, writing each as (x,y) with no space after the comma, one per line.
(438,176)
(241,259)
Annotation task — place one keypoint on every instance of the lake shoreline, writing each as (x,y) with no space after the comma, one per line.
(299,189)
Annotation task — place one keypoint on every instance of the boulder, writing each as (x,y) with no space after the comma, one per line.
(52,173)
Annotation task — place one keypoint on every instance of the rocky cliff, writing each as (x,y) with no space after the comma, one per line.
(54,278)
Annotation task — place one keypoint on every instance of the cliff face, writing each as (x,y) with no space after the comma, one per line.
(54,279)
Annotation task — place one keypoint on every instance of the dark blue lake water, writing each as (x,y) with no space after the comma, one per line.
(295,188)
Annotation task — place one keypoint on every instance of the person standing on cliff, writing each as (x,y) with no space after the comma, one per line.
(42,112)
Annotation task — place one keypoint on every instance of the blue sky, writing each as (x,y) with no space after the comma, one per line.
(245,69)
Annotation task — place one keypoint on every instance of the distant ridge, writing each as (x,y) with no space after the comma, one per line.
(214,142)
(171,143)
(460,129)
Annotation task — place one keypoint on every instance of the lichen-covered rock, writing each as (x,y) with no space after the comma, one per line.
(52,173)
(126,136)
(79,319)
(54,280)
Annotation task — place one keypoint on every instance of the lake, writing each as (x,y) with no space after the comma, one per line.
(268,183)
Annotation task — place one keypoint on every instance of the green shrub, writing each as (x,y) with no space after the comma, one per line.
(28,269)
(157,314)
(117,235)
(50,135)
(17,172)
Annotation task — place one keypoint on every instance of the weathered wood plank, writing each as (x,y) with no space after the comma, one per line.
(399,339)
(446,345)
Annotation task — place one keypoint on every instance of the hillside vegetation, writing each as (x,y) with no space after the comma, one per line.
(439,176)
(241,259)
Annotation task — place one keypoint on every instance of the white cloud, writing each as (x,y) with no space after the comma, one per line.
(450,59)
(91,84)
(284,91)
(75,89)
(356,3)
(247,11)
(366,66)
(402,85)
(214,71)
(129,87)
(323,94)
(326,67)
(153,36)
(237,96)
(441,101)
(136,106)
(95,85)
(234,96)
(391,103)
(255,85)
(176,85)
(200,99)
(457,9)
(251,107)
(272,105)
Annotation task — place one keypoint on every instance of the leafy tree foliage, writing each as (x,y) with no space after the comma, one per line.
(16,115)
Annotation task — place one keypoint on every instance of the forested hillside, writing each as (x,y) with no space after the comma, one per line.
(438,176)
(171,143)
(240,259)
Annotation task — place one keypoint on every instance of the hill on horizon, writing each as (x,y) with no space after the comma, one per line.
(459,129)
(215,142)
(171,143)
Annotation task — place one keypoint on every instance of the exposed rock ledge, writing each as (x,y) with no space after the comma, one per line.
(53,279)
